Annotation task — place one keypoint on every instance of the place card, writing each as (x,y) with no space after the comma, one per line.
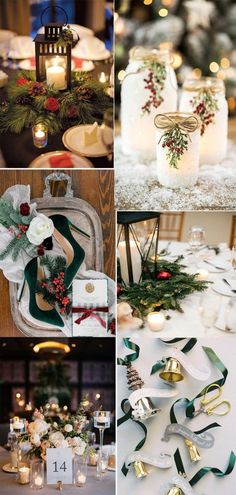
(90,307)
(59,466)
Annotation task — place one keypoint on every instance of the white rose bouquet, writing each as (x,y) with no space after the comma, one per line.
(42,434)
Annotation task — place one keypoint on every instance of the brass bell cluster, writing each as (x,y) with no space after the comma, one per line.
(172,372)
(175,490)
(140,469)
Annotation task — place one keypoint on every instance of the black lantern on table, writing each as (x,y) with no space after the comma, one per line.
(53,54)
(137,242)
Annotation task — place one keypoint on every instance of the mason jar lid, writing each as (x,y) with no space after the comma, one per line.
(186,121)
(212,83)
(153,54)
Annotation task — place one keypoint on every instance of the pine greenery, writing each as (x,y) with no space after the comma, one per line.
(54,266)
(11,218)
(85,103)
(155,294)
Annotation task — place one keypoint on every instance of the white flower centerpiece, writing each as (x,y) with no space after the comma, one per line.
(43,433)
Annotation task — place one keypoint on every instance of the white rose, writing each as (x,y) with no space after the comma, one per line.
(35,439)
(40,426)
(62,444)
(79,447)
(39,229)
(68,428)
(56,438)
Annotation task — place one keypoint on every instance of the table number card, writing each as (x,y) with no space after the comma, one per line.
(90,307)
(59,466)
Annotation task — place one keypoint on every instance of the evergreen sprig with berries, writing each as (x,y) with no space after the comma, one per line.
(176,143)
(205,107)
(154,83)
(52,287)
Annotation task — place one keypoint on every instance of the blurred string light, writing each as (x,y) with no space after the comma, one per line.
(167,3)
(119,25)
(214,67)
(147,2)
(177,60)
(197,73)
(163,12)
(225,63)
(121,75)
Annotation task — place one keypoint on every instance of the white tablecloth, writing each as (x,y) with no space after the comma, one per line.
(188,324)
(129,433)
(9,486)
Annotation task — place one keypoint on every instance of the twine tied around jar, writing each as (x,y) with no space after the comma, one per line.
(167,122)
(147,55)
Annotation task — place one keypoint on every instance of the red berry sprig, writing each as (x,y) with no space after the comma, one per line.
(176,142)
(56,289)
(154,83)
(205,107)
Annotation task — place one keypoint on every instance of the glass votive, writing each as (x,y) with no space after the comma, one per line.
(112,457)
(102,464)
(80,470)
(23,473)
(40,135)
(37,475)
(156,321)
(102,419)
(92,459)
(18,425)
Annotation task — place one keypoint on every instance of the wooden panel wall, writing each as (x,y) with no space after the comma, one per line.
(94,186)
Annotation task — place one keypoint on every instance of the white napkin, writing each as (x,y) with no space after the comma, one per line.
(90,47)
(22,47)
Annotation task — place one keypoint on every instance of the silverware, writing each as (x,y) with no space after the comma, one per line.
(226,282)
(212,264)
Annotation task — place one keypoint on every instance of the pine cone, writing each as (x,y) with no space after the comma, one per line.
(133,379)
(84,93)
(24,100)
(37,89)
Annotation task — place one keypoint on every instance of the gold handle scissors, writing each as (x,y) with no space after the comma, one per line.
(212,410)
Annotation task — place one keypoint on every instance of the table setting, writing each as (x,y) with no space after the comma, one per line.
(173,287)
(60,82)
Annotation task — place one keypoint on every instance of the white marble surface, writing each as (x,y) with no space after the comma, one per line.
(129,433)
(188,324)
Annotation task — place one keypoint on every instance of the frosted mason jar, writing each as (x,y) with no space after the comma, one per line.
(177,149)
(203,97)
(137,127)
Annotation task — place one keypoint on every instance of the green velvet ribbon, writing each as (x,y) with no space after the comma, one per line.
(160,364)
(130,357)
(127,415)
(203,471)
(190,408)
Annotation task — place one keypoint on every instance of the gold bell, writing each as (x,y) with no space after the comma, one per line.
(193,451)
(146,408)
(175,490)
(59,486)
(172,371)
(140,469)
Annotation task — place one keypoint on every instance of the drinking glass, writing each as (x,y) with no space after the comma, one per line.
(37,475)
(197,238)
(102,464)
(230,316)
(80,470)
(107,133)
(209,309)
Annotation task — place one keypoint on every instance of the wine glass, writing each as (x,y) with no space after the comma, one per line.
(230,316)
(233,258)
(209,309)
(102,421)
(197,238)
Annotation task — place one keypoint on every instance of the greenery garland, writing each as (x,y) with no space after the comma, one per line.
(30,102)
(163,289)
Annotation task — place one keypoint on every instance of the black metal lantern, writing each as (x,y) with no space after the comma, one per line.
(137,242)
(53,58)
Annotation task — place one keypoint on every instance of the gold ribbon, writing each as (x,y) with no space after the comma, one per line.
(145,54)
(210,84)
(168,121)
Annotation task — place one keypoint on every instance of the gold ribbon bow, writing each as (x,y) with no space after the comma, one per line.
(145,54)
(167,122)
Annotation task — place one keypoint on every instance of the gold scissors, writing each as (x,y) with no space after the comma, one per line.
(212,410)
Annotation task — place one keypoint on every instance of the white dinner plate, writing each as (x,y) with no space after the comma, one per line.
(222,288)
(73,140)
(97,56)
(222,265)
(43,161)
(29,64)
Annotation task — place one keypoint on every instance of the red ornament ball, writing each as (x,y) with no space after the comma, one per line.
(119,290)
(163,275)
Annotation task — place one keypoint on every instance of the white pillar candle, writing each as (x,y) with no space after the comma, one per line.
(38,481)
(202,275)
(137,129)
(135,261)
(24,475)
(213,143)
(56,77)
(156,321)
(102,78)
(185,173)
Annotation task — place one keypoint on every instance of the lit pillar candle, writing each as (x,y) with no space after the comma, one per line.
(135,260)
(202,275)
(56,77)
(24,475)
(81,480)
(156,321)
(102,78)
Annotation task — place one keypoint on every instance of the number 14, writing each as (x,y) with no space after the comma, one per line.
(62,468)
